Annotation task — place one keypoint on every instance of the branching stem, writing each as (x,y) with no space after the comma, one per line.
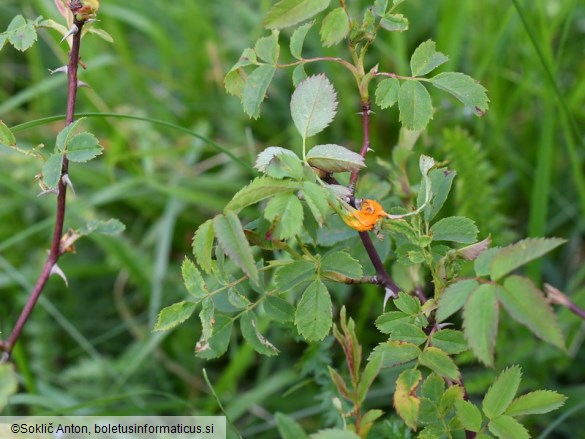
(405,78)
(341,61)
(56,251)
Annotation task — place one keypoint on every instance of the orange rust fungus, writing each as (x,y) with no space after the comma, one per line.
(366,218)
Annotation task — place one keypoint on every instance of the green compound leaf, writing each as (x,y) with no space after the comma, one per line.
(287,13)
(469,415)
(231,238)
(313,105)
(433,431)
(267,48)
(449,340)
(335,27)
(433,387)
(425,59)
(298,39)
(405,400)
(407,304)
(285,166)
(466,89)
(83,147)
(206,315)
(193,280)
(279,309)
(334,433)
(334,158)
(6,136)
(112,226)
(203,245)
(66,134)
(394,22)
(380,7)
(21,33)
(513,256)
(414,103)
(218,343)
(52,170)
(454,297)
(502,391)
(235,79)
(255,89)
(285,211)
(441,182)
(370,373)
(174,315)
(289,428)
(484,260)
(480,322)
(387,92)
(237,299)
(250,332)
(389,321)
(259,189)
(409,333)
(342,263)
(506,427)
(8,384)
(456,229)
(102,34)
(316,197)
(314,313)
(395,353)
(234,83)
(52,24)
(299,75)
(279,163)
(295,273)
(439,362)
(3,39)
(527,305)
(449,398)
(536,403)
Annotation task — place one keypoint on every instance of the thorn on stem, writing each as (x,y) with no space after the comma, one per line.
(72,31)
(82,84)
(68,183)
(5,357)
(57,270)
(390,294)
(62,69)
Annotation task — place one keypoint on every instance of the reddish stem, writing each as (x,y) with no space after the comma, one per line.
(366,110)
(55,252)
(382,275)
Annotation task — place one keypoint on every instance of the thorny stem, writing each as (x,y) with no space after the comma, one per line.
(56,251)
(366,111)
(381,274)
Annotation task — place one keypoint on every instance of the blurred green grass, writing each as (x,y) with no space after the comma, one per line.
(167,63)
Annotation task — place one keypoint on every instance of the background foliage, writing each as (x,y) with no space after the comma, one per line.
(524,177)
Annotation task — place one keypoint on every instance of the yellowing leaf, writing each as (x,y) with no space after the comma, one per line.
(405,400)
